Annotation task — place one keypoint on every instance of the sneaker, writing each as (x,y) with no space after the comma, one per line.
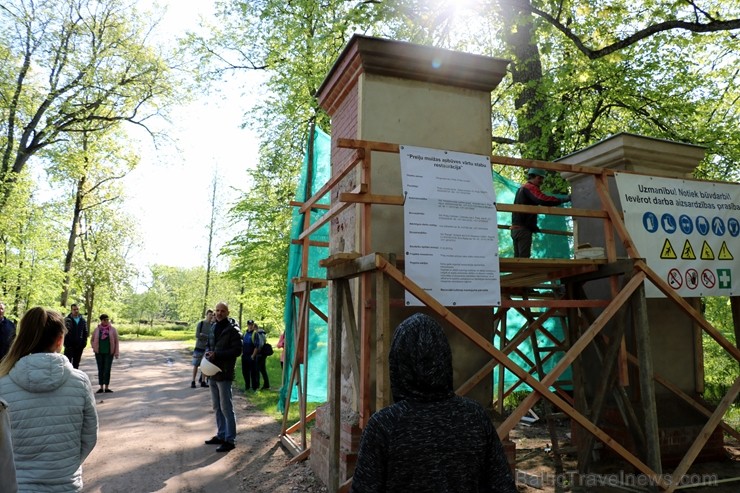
(100,391)
(215,441)
(202,384)
(225,447)
(192,384)
(108,391)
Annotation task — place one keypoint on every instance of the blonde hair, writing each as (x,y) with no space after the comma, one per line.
(38,330)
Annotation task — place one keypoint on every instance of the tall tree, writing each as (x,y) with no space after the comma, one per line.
(68,66)
(87,166)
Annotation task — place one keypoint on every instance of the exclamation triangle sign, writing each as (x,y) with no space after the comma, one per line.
(724,252)
(667,251)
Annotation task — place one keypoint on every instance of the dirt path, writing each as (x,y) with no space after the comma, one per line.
(153,425)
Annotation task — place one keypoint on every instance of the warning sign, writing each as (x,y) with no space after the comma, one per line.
(692,279)
(675,279)
(724,252)
(667,251)
(688,252)
(688,231)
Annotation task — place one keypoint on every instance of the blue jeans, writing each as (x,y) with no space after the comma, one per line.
(223,406)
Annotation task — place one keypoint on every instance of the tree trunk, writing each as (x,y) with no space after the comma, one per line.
(72,240)
(210,246)
(526,70)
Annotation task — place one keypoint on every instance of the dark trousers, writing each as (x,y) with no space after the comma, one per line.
(261,365)
(522,239)
(105,363)
(250,372)
(74,354)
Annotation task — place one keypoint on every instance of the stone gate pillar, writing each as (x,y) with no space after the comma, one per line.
(676,342)
(401,93)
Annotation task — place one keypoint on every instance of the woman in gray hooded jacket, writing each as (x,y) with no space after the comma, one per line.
(54,423)
(430,439)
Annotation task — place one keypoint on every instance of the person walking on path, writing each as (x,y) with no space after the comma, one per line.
(261,359)
(7,332)
(75,340)
(224,347)
(250,347)
(523,224)
(201,342)
(105,347)
(430,439)
(54,422)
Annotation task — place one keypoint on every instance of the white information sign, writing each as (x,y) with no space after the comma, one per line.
(687,231)
(450,229)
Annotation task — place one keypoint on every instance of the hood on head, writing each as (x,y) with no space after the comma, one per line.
(420,361)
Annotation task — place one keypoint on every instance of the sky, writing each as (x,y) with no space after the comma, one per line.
(169,193)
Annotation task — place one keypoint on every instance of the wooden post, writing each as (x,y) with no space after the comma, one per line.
(382,341)
(335,390)
(647,387)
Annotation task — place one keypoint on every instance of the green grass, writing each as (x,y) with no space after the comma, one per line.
(156,332)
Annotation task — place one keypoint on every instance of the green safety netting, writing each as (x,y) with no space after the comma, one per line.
(315,172)
(544,246)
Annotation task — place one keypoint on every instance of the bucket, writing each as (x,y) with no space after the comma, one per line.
(590,252)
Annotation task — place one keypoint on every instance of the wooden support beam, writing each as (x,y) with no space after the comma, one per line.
(541,388)
(336,177)
(309,417)
(344,295)
(383,333)
(703,436)
(647,388)
(335,391)
(550,211)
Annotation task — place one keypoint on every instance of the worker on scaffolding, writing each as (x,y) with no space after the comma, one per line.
(523,224)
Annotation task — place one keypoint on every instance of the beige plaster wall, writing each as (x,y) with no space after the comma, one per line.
(422,114)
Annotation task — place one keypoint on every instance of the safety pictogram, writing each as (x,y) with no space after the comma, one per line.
(733,227)
(724,252)
(688,251)
(718,226)
(706,252)
(692,279)
(669,223)
(675,279)
(708,279)
(650,222)
(725,278)
(667,252)
(702,225)
(686,224)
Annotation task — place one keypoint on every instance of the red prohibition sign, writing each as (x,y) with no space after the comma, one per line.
(675,279)
(707,278)
(692,279)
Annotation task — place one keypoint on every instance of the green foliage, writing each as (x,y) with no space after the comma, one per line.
(70,66)
(720,369)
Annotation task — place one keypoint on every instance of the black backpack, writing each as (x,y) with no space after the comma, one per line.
(267,349)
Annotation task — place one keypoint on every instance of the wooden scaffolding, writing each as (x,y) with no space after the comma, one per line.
(559,294)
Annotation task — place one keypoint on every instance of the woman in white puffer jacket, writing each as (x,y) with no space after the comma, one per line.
(53,420)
